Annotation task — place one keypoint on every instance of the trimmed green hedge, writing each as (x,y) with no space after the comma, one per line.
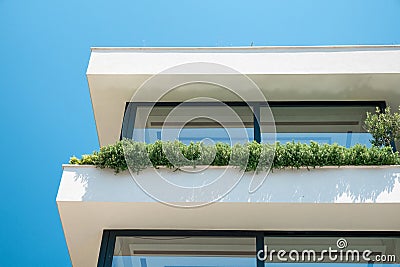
(247,156)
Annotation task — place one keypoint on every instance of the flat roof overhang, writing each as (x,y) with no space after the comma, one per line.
(328,73)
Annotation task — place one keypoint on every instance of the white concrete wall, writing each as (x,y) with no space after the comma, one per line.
(327,199)
(321,185)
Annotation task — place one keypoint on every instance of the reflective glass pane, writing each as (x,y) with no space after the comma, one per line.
(326,125)
(331,251)
(274,264)
(181,251)
(210,124)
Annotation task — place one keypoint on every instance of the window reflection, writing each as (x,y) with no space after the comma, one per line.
(185,251)
(235,123)
(326,125)
(192,124)
(234,251)
(331,251)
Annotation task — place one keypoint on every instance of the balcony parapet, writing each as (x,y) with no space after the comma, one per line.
(322,199)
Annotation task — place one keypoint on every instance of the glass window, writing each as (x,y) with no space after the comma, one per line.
(331,251)
(183,251)
(329,124)
(187,123)
(234,122)
(232,250)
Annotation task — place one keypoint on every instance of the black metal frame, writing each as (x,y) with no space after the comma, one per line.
(109,237)
(131,107)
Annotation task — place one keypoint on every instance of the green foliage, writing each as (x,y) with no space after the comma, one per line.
(157,156)
(239,156)
(74,160)
(174,153)
(249,157)
(222,154)
(266,158)
(85,160)
(136,155)
(383,126)
(112,156)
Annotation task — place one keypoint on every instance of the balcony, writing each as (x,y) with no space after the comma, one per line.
(363,198)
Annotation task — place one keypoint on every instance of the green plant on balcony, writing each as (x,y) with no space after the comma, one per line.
(250,157)
(383,126)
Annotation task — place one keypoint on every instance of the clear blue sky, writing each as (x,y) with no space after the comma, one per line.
(46,114)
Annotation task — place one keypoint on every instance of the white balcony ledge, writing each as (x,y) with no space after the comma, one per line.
(327,199)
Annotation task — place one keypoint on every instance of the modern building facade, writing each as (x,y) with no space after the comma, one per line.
(299,94)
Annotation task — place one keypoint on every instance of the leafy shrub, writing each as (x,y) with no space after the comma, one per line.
(222,154)
(383,126)
(176,153)
(112,156)
(136,155)
(157,156)
(249,157)
(85,160)
(266,158)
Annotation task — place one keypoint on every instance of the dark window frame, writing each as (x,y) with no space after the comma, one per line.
(128,121)
(109,237)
